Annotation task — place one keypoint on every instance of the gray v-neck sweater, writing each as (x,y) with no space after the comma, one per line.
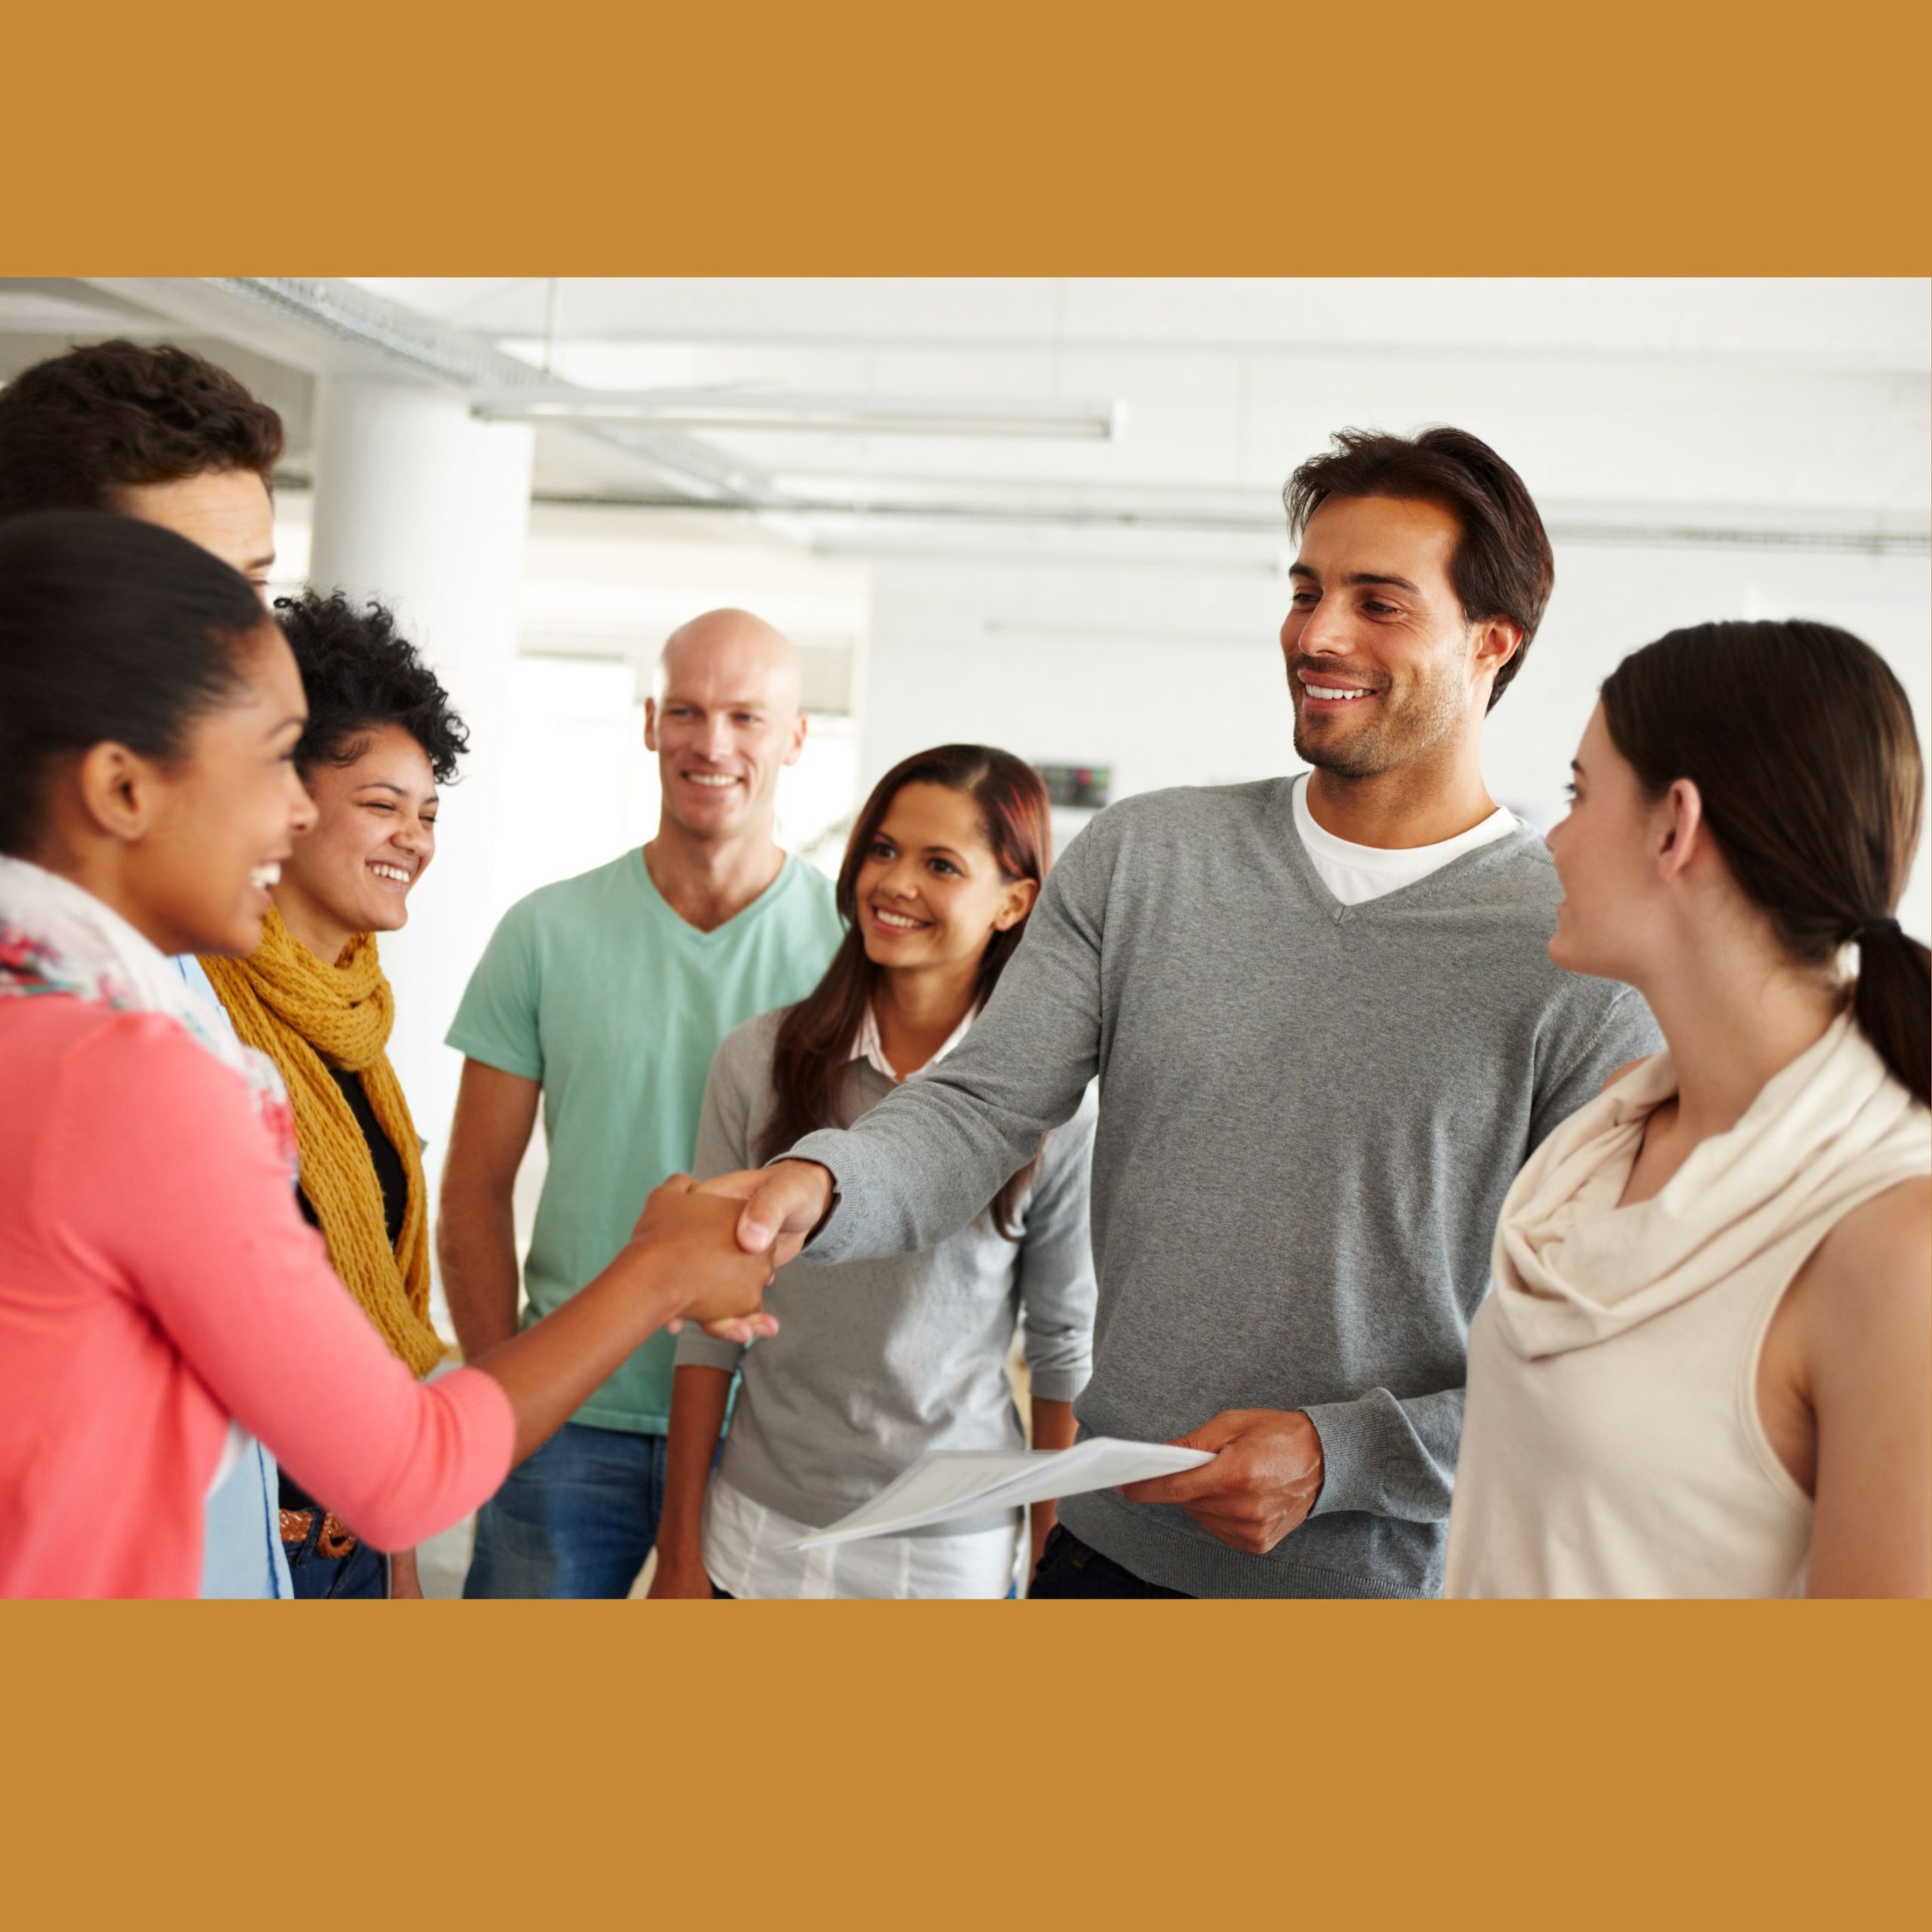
(1310,1115)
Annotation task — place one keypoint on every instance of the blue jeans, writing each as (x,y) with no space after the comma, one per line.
(364,1572)
(576,1520)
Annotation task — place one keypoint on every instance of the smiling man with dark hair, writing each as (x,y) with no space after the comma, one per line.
(1327,1034)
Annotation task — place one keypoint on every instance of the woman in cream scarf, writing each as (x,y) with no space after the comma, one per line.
(1703,1371)
(313,997)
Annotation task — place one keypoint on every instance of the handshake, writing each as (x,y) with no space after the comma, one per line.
(718,1243)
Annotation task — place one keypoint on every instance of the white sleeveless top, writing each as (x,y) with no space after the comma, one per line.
(1612,1445)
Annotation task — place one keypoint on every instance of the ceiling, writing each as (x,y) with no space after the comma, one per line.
(1790,413)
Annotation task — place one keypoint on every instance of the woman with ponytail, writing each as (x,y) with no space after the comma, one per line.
(880,1362)
(1704,1370)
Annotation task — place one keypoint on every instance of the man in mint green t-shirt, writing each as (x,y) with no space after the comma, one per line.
(604,996)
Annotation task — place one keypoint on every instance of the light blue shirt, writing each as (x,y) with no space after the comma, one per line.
(242,1555)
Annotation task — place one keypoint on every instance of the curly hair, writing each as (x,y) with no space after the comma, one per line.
(360,675)
(78,428)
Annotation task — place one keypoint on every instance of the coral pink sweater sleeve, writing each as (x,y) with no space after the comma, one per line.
(155,1180)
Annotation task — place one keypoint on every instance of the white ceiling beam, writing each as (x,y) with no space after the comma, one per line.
(765,410)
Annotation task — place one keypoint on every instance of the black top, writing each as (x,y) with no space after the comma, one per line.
(393,1180)
(390,1176)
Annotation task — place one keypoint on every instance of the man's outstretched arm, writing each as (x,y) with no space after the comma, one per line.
(932,1154)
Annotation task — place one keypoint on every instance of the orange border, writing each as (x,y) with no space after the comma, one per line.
(947,1765)
(951,1764)
(863,136)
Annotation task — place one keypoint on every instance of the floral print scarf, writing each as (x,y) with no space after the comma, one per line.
(57,938)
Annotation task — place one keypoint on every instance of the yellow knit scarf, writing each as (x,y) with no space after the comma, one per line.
(308,1017)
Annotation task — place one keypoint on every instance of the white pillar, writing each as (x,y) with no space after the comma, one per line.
(421,505)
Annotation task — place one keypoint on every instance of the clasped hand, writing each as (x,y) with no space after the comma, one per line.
(692,1239)
(1265,1478)
(782,1204)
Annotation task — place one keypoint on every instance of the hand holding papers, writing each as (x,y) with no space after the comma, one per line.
(948,1484)
(1268,1474)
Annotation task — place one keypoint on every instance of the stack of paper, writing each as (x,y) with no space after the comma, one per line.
(950,1483)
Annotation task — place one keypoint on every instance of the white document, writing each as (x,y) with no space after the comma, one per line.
(950,1483)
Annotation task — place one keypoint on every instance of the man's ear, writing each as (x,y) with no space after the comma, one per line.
(1682,833)
(118,790)
(1498,639)
(650,724)
(795,749)
(1020,895)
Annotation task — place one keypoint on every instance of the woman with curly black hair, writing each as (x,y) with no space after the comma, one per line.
(381,737)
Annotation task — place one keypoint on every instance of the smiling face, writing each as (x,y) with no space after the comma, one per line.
(220,819)
(374,835)
(929,892)
(725,721)
(226,511)
(1383,668)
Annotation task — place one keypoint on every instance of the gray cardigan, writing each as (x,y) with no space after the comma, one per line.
(876,1362)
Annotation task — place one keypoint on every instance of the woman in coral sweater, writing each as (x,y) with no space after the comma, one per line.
(156,1280)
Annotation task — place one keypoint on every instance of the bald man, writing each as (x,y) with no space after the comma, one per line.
(605,996)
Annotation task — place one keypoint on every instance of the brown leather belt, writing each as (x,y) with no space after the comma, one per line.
(337,1539)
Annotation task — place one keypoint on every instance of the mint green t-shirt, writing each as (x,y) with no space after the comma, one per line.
(595,988)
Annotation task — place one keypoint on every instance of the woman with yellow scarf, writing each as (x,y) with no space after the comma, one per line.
(381,737)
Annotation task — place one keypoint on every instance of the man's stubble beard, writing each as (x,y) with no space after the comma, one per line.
(760,816)
(1424,719)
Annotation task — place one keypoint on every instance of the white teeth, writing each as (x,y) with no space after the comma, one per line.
(1332,694)
(263,878)
(897,921)
(390,872)
(710,778)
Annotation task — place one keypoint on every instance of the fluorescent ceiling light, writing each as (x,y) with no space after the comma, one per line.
(823,415)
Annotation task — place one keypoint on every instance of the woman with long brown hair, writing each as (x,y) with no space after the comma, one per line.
(879,1362)
(1704,1368)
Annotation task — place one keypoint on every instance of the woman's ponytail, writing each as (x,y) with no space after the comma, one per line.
(1892,1002)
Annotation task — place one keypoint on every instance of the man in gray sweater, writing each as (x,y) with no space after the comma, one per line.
(1328,1033)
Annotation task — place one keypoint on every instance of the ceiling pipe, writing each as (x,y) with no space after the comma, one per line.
(348,330)
(762,410)
(1649,535)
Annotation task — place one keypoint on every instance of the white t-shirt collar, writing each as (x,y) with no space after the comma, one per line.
(869,1047)
(1357,873)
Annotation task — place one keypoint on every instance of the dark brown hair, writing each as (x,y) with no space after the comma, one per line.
(1801,745)
(1502,566)
(814,1051)
(78,428)
(110,628)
